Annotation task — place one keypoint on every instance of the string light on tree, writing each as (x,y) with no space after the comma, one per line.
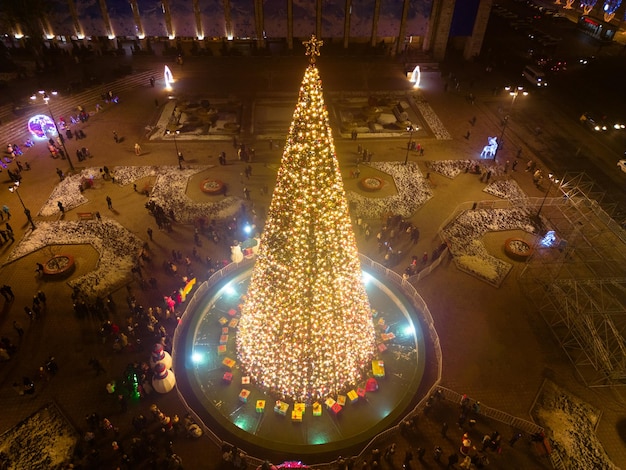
(306,327)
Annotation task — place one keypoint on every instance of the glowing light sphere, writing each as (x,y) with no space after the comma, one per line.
(306,328)
(41,126)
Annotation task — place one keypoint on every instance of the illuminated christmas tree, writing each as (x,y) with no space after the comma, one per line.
(306,328)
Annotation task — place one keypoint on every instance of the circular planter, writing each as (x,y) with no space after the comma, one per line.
(212,186)
(371,183)
(518,249)
(59,266)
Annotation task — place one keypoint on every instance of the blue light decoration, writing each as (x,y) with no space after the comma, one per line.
(548,240)
(490,149)
(609,8)
(40,126)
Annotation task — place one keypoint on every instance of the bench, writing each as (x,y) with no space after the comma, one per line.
(85,216)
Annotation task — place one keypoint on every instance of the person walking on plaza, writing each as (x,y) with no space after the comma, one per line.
(7,292)
(5,209)
(61,208)
(444,429)
(60,173)
(18,327)
(137,149)
(109,203)
(181,159)
(149,233)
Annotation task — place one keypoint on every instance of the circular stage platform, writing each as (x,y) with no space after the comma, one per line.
(218,392)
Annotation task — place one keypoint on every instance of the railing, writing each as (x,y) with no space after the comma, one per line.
(426,317)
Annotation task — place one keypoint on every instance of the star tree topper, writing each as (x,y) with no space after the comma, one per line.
(313,47)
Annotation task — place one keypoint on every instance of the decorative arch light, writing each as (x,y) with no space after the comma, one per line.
(610,8)
(416,76)
(168,78)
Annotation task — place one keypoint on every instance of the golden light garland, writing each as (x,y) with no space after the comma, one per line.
(306,328)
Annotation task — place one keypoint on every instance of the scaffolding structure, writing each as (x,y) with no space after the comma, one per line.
(577,279)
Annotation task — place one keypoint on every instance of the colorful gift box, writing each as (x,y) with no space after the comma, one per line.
(317,409)
(223,321)
(260,406)
(221,349)
(387,336)
(382,347)
(245,380)
(233,323)
(228,362)
(336,408)
(232,312)
(352,396)
(281,408)
(329,402)
(228,377)
(225,330)
(341,400)
(243,395)
(360,392)
(301,407)
(296,416)
(223,339)
(378,368)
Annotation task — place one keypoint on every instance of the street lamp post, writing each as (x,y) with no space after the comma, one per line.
(552,181)
(514,92)
(175,133)
(46,100)
(411,129)
(13,189)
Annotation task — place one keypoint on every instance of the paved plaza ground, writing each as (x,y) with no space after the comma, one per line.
(495,348)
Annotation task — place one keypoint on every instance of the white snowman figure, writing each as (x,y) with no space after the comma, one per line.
(164,379)
(160,355)
(236,254)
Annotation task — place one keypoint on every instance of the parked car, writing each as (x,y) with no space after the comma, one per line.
(594,123)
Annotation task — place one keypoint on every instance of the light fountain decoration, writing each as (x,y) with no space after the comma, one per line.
(306,328)
(168,78)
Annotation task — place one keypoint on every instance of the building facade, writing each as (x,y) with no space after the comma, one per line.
(429,25)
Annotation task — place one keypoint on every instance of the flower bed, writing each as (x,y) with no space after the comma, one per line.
(518,249)
(413,191)
(212,186)
(463,236)
(59,266)
(371,183)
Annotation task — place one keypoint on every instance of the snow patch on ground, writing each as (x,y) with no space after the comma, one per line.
(43,440)
(571,423)
(413,191)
